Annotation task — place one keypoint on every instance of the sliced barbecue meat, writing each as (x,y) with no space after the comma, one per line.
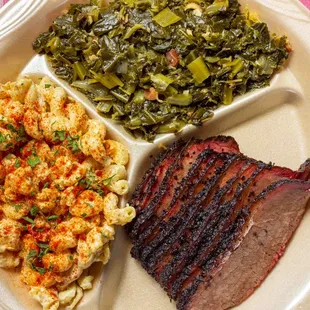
(179,206)
(204,221)
(263,176)
(204,191)
(265,227)
(196,172)
(202,208)
(304,171)
(174,173)
(221,220)
(146,190)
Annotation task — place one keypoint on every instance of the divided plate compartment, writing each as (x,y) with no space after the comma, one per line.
(270,124)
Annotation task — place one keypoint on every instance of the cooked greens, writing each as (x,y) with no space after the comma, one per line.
(157,65)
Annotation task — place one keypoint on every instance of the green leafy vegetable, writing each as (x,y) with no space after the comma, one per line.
(199,70)
(166,18)
(156,66)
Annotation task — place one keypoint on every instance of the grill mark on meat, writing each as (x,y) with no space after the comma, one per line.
(152,178)
(155,196)
(192,177)
(208,243)
(179,166)
(261,179)
(172,217)
(198,226)
(233,241)
(185,218)
(213,231)
(195,230)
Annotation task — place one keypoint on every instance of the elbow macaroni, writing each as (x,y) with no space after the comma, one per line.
(59,192)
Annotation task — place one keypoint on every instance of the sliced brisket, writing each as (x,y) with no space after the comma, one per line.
(211,222)
(269,223)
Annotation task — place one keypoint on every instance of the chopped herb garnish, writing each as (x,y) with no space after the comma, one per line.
(46,185)
(17,163)
(56,152)
(40,270)
(71,257)
(32,194)
(108,181)
(52,217)
(3,138)
(33,160)
(100,191)
(32,253)
(28,219)
(16,207)
(42,245)
(47,85)
(59,135)
(84,215)
(89,205)
(59,188)
(11,127)
(73,144)
(34,211)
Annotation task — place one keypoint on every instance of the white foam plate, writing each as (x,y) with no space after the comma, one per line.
(272,124)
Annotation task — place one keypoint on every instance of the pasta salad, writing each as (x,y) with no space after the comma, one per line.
(61,180)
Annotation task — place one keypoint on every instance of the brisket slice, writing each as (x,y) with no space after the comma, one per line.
(263,176)
(196,172)
(205,221)
(178,169)
(164,250)
(178,207)
(213,232)
(152,179)
(257,241)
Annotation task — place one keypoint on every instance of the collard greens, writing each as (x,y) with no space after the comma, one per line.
(157,65)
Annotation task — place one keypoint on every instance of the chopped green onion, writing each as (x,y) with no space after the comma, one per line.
(166,18)
(180,100)
(199,70)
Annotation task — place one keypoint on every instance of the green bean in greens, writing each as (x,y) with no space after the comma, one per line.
(157,65)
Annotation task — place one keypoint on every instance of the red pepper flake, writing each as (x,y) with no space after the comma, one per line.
(173,57)
(151,94)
